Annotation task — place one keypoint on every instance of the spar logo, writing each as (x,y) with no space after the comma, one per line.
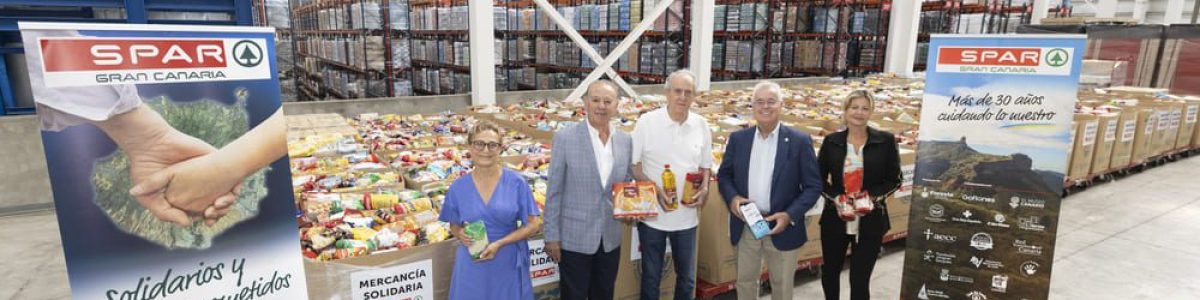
(80,61)
(1057,57)
(1005,60)
(249,54)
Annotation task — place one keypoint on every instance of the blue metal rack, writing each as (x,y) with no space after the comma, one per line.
(136,11)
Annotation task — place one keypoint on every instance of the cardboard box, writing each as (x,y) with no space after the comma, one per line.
(1071,150)
(1173,112)
(1163,140)
(333,279)
(1106,139)
(1143,139)
(1187,125)
(1122,150)
(629,274)
(716,257)
(899,224)
(1084,149)
(1191,118)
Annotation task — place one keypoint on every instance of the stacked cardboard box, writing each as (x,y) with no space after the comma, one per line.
(1084,147)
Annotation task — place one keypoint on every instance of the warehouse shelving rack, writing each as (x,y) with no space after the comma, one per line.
(997,19)
(781,30)
(312,82)
(721,69)
(238,12)
(612,34)
(436,35)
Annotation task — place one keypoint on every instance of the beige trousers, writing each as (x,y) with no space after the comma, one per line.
(781,265)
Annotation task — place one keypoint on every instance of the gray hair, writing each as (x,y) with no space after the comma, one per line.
(677,73)
(768,86)
(606,82)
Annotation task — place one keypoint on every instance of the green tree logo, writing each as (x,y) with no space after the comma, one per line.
(1057,57)
(247,53)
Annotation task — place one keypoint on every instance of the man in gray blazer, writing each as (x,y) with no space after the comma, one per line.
(586,159)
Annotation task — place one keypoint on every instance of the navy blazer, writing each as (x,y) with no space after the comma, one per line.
(795,185)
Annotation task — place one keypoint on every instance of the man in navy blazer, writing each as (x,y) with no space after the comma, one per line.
(775,168)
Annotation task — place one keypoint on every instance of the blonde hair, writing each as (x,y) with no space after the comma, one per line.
(859,94)
(483,126)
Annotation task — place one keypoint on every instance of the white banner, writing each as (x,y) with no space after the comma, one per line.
(408,281)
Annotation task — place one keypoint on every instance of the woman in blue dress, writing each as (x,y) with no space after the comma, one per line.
(503,201)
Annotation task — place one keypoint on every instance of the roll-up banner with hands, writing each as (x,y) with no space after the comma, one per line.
(167,157)
(991,159)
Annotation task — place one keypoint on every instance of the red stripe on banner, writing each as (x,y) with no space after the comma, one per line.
(1029,57)
(63,55)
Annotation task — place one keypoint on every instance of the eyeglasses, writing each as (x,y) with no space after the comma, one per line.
(481,145)
(766,102)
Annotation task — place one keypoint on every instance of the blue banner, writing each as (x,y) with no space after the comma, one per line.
(166,149)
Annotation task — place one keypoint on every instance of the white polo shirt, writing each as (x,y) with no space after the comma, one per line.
(687,147)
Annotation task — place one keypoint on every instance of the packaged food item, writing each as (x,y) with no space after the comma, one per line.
(477,232)
(694,181)
(635,199)
(863,204)
(754,219)
(860,202)
(845,208)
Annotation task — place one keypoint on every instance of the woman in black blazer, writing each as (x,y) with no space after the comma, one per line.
(876,153)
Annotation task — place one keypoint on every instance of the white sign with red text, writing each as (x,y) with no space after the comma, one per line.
(542,269)
(89,61)
(1005,60)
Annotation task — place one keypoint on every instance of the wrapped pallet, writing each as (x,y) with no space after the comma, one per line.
(1122,150)
(1107,139)
(1084,149)
(1186,123)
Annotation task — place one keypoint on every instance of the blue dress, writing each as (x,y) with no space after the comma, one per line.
(507,275)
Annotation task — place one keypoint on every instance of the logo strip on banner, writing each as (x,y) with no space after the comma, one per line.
(88,61)
(988,177)
(1054,61)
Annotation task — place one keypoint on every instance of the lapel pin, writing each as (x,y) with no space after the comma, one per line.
(786,140)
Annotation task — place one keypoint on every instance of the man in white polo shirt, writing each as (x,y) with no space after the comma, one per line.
(672,136)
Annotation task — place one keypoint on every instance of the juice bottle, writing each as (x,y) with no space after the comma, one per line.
(668,183)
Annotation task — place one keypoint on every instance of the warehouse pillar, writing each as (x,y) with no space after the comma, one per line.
(482,38)
(1139,10)
(902,37)
(1174,13)
(1040,9)
(701,54)
(1106,8)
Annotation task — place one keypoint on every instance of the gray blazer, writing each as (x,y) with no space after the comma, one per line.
(578,208)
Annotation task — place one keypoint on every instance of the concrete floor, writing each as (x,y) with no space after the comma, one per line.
(1134,238)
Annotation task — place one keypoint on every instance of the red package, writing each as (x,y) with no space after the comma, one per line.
(863,204)
(853,181)
(845,209)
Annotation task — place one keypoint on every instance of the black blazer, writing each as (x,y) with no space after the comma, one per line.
(881,176)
